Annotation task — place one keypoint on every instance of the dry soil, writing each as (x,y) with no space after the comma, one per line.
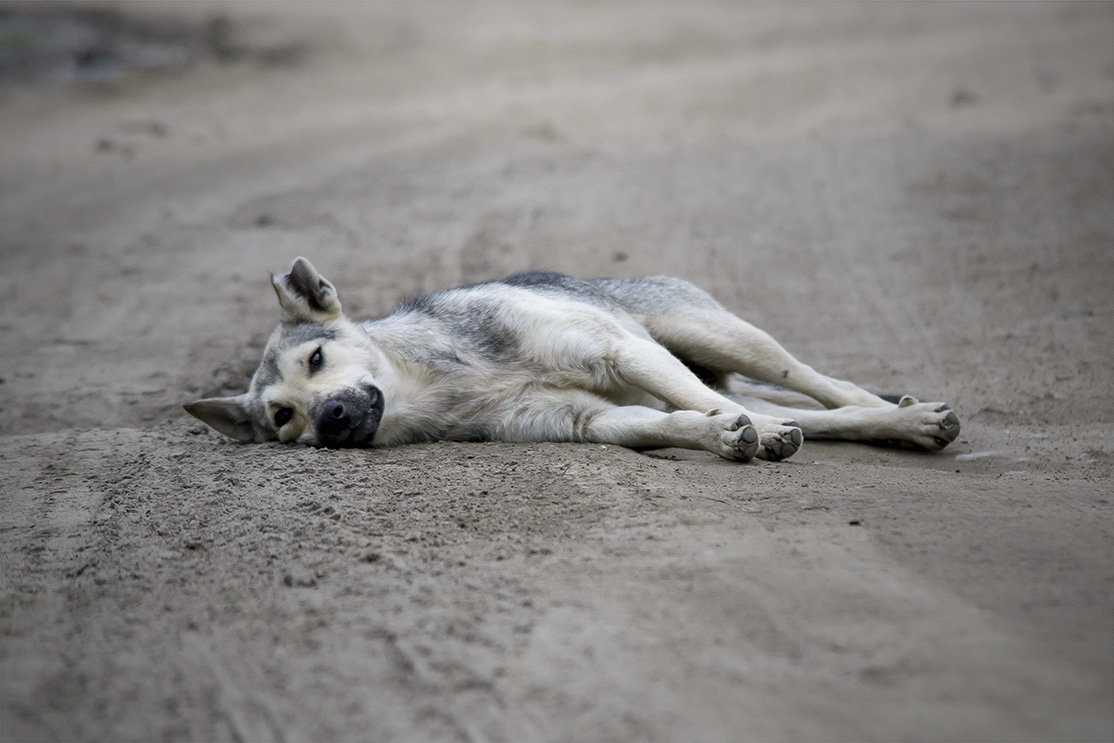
(916,196)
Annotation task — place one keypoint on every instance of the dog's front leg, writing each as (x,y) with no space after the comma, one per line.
(580,416)
(729,435)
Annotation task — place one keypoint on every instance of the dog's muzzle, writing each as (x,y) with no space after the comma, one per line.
(350,418)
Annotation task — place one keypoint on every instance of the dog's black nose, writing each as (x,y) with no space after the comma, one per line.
(334,419)
(350,418)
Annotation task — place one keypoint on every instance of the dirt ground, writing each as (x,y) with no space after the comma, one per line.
(916,196)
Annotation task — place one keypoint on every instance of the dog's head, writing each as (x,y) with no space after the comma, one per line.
(316,382)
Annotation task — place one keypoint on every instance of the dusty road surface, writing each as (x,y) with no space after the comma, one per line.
(917,196)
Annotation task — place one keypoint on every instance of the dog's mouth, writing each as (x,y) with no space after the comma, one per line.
(351,418)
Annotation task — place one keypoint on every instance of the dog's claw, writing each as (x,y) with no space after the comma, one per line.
(740,422)
(949,428)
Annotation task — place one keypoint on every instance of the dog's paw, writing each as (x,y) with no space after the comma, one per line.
(779,439)
(781,443)
(737,437)
(946,422)
(927,425)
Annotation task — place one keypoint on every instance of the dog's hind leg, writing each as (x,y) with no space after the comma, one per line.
(693,325)
(929,426)
(718,340)
(722,342)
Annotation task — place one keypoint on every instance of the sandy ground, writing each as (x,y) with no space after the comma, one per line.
(916,196)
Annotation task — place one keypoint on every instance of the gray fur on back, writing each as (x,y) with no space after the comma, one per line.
(646,296)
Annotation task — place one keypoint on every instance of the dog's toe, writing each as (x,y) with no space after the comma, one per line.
(745,444)
(949,427)
(936,429)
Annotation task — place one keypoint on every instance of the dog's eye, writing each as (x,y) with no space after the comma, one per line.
(283,416)
(316,360)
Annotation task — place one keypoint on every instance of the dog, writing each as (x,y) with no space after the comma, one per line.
(640,363)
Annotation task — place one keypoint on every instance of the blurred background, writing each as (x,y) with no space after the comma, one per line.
(810,164)
(160,158)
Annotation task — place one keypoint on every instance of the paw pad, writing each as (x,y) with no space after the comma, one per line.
(782,446)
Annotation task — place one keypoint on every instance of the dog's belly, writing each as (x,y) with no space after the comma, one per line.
(627,395)
(532,409)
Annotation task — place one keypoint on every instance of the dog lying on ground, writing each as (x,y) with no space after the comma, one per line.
(641,363)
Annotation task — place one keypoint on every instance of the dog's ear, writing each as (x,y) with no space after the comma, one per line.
(229,415)
(305,295)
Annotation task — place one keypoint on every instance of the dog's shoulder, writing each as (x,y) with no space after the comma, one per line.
(493,320)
